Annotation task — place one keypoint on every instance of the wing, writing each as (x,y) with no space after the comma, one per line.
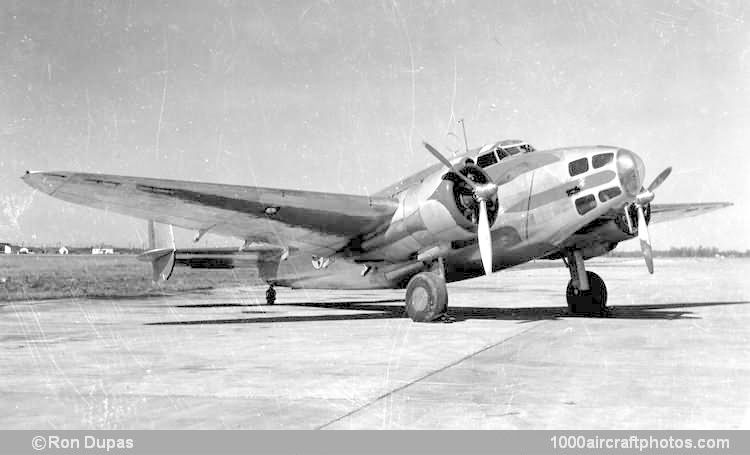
(667,212)
(321,223)
(597,234)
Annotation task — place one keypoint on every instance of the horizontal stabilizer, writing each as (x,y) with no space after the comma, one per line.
(152,255)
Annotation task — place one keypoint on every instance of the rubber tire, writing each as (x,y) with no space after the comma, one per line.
(592,301)
(270,300)
(426,297)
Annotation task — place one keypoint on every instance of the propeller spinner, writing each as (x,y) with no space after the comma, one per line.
(482,193)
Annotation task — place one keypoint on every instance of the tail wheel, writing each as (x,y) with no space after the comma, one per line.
(592,301)
(426,297)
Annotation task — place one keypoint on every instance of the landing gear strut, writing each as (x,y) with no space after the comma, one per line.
(586,292)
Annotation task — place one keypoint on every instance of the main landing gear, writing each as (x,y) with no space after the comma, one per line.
(586,291)
(427,296)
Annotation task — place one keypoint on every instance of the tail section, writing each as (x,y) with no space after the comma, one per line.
(163,255)
(161,250)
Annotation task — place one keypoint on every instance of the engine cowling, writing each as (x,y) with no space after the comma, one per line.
(463,196)
(442,208)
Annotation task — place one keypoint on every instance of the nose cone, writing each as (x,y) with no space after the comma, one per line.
(631,170)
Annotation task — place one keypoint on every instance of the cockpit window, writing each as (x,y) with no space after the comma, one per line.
(488,159)
(609,193)
(585,204)
(578,166)
(504,149)
(600,160)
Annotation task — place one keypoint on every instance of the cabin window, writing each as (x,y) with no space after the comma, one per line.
(488,159)
(600,160)
(502,153)
(578,166)
(609,193)
(585,204)
(512,150)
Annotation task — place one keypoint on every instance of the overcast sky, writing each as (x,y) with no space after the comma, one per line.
(336,96)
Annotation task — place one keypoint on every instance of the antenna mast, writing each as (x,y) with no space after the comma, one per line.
(466,141)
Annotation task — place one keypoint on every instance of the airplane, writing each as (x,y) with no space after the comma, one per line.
(484,210)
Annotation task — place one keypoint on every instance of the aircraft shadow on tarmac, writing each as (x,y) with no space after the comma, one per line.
(376,309)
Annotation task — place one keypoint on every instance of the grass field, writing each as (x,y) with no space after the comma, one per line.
(34,277)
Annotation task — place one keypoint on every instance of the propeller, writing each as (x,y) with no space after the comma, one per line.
(660,179)
(641,200)
(482,193)
(485,237)
(645,239)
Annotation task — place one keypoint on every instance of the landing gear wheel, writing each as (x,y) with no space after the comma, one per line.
(593,301)
(426,297)
(270,295)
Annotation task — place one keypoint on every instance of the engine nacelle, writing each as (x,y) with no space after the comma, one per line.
(442,208)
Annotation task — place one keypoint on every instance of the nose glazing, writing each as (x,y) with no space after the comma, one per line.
(631,171)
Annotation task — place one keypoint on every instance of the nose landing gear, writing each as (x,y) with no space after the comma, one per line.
(586,292)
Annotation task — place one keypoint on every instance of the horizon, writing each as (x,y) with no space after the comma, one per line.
(615,251)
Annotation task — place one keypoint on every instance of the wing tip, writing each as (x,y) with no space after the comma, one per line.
(45,181)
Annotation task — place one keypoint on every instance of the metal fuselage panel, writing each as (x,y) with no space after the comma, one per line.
(537,214)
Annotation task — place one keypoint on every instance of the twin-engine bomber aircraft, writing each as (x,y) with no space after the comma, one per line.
(492,208)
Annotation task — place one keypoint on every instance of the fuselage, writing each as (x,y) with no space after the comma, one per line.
(544,198)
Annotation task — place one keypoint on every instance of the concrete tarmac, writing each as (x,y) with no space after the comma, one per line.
(671,354)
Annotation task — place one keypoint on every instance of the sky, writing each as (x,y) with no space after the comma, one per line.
(337,96)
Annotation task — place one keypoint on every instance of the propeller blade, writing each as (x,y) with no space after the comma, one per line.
(484,237)
(660,179)
(645,240)
(448,164)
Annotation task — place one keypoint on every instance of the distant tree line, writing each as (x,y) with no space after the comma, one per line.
(685,252)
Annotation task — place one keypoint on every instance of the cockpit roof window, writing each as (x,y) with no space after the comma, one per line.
(578,166)
(506,148)
(488,159)
(600,160)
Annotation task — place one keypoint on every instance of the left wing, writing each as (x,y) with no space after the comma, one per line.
(321,223)
(668,212)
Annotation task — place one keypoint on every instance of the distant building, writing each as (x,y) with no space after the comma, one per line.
(102,251)
(7,249)
(62,250)
(23,250)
